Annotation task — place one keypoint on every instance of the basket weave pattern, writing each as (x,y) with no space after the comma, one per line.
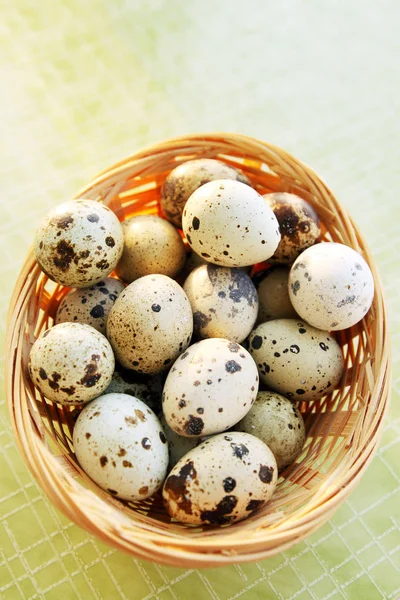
(343,429)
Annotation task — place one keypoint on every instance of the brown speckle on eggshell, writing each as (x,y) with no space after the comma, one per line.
(214,484)
(187,177)
(278,423)
(150,324)
(124,454)
(295,359)
(298,224)
(211,375)
(331,286)
(90,305)
(230,224)
(224,302)
(71,363)
(78,243)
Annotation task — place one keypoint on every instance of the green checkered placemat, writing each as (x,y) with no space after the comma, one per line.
(85,83)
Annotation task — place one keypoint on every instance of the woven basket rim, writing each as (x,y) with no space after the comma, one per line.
(241,542)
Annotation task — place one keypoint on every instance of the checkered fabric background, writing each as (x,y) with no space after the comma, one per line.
(85,83)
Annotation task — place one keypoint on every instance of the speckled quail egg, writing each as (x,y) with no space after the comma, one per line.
(71,363)
(279,424)
(331,286)
(178,445)
(90,305)
(187,177)
(147,388)
(221,481)
(295,359)
(210,387)
(150,324)
(224,302)
(298,223)
(78,243)
(120,444)
(273,294)
(151,245)
(230,224)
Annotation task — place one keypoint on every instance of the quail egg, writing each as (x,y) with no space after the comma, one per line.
(273,294)
(295,359)
(210,387)
(187,177)
(71,363)
(90,305)
(150,324)
(120,444)
(279,424)
(78,243)
(230,224)
(223,480)
(151,245)
(298,223)
(224,302)
(331,286)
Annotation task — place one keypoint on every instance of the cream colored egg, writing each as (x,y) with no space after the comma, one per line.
(279,424)
(90,305)
(78,243)
(295,359)
(230,224)
(331,286)
(298,224)
(71,363)
(210,387)
(222,481)
(224,302)
(150,324)
(187,177)
(120,444)
(273,294)
(151,245)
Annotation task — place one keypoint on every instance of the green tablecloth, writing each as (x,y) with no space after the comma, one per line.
(85,83)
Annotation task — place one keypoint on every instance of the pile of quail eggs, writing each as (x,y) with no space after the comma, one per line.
(189,342)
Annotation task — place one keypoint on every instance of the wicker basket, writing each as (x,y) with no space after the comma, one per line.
(343,429)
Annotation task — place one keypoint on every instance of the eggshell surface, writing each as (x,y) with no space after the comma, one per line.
(298,224)
(71,363)
(210,387)
(230,224)
(150,324)
(279,424)
(120,444)
(78,243)
(221,481)
(331,286)
(224,302)
(90,305)
(187,177)
(151,245)
(273,294)
(295,359)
